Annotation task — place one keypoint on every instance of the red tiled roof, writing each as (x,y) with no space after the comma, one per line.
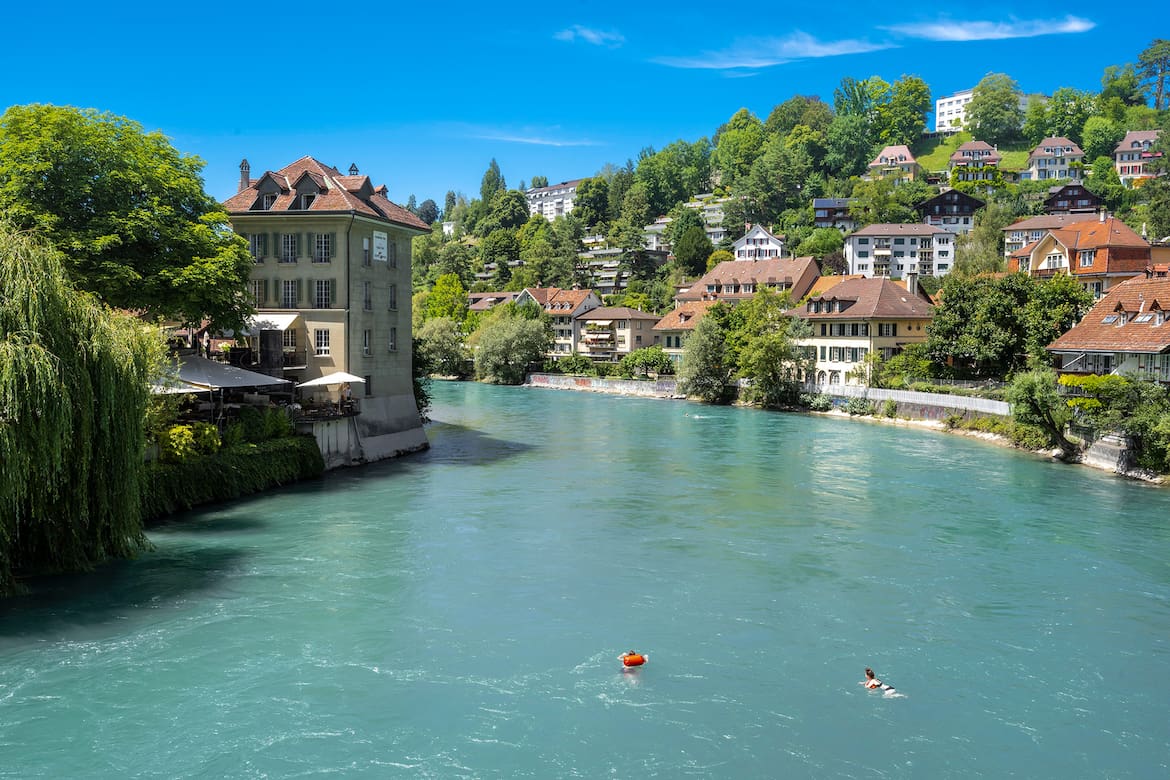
(870,297)
(798,273)
(616,313)
(335,193)
(684,316)
(1049,221)
(891,155)
(900,229)
(825,283)
(1123,334)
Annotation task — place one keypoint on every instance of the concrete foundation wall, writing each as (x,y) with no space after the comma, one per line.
(386,428)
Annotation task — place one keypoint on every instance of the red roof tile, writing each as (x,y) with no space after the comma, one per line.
(1122,306)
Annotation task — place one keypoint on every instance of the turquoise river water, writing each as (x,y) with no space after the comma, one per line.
(459,613)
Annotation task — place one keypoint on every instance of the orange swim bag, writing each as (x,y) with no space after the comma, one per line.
(633,660)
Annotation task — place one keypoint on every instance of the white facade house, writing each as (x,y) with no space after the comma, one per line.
(758,244)
(1133,155)
(1054,158)
(897,249)
(553,201)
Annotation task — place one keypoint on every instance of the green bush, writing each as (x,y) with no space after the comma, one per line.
(890,408)
(176,444)
(817,402)
(230,473)
(206,437)
(859,406)
(575,364)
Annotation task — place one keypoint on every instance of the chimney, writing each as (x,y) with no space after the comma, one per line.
(1101,218)
(245,175)
(912,283)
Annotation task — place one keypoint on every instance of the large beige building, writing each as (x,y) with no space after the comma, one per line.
(332,291)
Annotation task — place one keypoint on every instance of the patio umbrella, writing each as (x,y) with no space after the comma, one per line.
(336,378)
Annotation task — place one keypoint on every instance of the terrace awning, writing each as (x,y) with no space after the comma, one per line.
(212,375)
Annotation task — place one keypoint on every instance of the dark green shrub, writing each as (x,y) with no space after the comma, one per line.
(817,402)
(859,407)
(890,408)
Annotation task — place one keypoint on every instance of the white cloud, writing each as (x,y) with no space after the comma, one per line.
(992,31)
(590,35)
(531,138)
(756,53)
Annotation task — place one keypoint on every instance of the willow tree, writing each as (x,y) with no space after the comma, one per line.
(73,393)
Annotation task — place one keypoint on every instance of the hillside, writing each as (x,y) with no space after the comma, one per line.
(934,153)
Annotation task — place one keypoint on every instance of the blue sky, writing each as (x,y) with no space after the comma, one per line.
(422,97)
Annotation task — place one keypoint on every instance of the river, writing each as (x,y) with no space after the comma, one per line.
(459,613)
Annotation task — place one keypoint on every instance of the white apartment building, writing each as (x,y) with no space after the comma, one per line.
(950,113)
(897,249)
(553,201)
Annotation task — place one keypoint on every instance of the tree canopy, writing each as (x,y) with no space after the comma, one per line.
(127,211)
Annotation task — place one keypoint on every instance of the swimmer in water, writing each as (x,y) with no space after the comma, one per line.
(874,683)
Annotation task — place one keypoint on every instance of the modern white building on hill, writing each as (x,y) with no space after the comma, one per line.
(897,249)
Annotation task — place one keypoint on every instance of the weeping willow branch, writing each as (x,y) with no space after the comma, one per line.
(74,385)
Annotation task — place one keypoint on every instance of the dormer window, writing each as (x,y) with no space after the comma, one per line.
(306,200)
(267,200)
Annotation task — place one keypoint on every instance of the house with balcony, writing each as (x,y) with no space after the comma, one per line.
(563,307)
(1134,154)
(1054,158)
(609,333)
(952,210)
(895,162)
(1098,253)
(677,326)
(1071,198)
(758,244)
(710,208)
(834,213)
(858,316)
(1028,231)
(332,289)
(974,161)
(896,249)
(736,280)
(555,200)
(1126,332)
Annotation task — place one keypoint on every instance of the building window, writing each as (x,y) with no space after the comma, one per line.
(392,344)
(1087,256)
(321,342)
(367,335)
(269,199)
(393,297)
(307,200)
(365,251)
(367,297)
(323,247)
(258,246)
(888,329)
(288,339)
(288,247)
(289,294)
(321,290)
(256,292)
(392,254)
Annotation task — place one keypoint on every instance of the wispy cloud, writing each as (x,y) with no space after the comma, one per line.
(756,53)
(597,37)
(530,138)
(992,31)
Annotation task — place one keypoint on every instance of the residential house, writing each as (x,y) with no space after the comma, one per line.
(710,208)
(896,249)
(859,316)
(483,301)
(656,235)
(612,332)
(1126,332)
(735,280)
(1099,253)
(974,161)
(951,210)
(1027,231)
(332,276)
(563,307)
(1133,155)
(1071,198)
(833,212)
(757,244)
(678,325)
(1054,158)
(553,201)
(895,162)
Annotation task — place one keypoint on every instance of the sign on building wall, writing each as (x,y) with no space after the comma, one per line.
(379,247)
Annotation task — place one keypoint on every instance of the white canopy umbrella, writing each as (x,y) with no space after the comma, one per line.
(336,378)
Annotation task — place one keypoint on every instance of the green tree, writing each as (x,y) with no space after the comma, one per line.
(1122,82)
(1153,65)
(775,363)
(994,114)
(821,242)
(704,372)
(428,211)
(127,210)
(978,329)
(507,346)
(1104,181)
(981,250)
(1035,128)
(491,183)
(1035,401)
(737,145)
(74,379)
(717,257)
(538,182)
(807,110)
(441,344)
(502,249)
(848,145)
(1067,111)
(692,250)
(454,258)
(1055,305)
(647,360)
(880,201)
(591,204)
(903,118)
(1100,137)
(448,298)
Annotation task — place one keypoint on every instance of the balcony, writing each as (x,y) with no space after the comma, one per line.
(294,358)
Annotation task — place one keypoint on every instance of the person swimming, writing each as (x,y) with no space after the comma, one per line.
(874,683)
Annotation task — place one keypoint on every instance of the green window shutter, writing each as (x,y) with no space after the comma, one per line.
(332,292)
(263,244)
(297,241)
(264,292)
(333,245)
(310,247)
